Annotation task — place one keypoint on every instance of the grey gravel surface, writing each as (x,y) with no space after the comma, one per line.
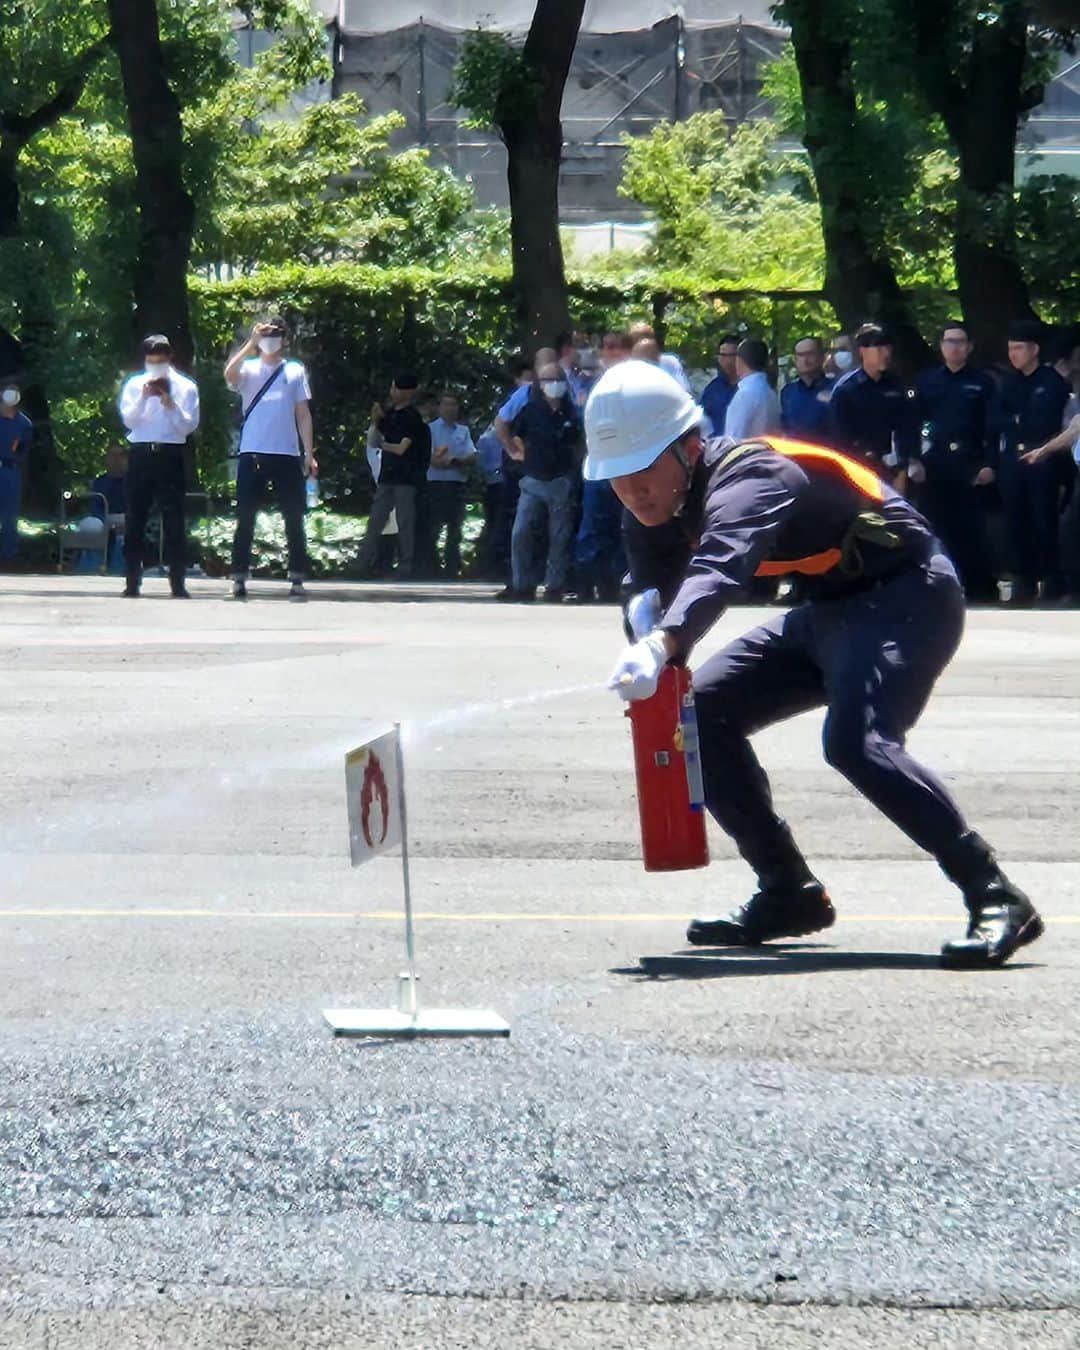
(867,1150)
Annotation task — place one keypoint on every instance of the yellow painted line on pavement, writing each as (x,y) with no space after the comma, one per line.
(434,916)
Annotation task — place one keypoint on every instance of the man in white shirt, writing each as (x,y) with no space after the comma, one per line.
(452,454)
(160,408)
(276,410)
(755,408)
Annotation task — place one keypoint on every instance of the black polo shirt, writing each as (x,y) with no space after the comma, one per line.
(551,436)
(409,469)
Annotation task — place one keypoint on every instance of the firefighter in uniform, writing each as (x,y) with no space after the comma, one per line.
(955,405)
(1030,411)
(872,410)
(883,618)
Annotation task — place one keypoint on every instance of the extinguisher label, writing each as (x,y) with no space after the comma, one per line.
(663,759)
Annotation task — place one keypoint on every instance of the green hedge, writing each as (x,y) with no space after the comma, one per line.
(356,325)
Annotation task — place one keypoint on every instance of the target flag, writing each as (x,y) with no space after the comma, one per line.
(374,797)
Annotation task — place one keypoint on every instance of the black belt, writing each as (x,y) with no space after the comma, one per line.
(155,446)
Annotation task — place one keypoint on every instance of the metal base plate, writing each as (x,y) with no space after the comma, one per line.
(388,1022)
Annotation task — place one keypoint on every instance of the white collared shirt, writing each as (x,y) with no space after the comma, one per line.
(460,444)
(148,420)
(754,410)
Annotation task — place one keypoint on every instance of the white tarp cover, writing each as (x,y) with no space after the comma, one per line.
(601,16)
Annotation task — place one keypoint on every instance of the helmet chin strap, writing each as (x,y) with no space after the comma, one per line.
(676,448)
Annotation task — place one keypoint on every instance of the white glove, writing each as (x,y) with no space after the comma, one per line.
(916,471)
(643,612)
(637,671)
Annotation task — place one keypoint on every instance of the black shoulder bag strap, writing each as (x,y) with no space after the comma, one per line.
(255,401)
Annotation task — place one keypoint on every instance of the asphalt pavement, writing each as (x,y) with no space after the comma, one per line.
(827,1143)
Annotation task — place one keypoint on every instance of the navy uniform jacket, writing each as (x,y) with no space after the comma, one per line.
(751,510)
(1031,408)
(867,414)
(959,411)
(715,398)
(804,409)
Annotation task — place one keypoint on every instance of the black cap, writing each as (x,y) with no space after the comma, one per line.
(277,325)
(406,380)
(873,335)
(1026,330)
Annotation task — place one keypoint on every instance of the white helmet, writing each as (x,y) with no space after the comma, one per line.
(635,411)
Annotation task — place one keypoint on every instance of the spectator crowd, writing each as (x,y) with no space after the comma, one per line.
(989,456)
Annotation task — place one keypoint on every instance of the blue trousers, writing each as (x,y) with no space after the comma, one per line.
(542,502)
(10,505)
(871,660)
(599,559)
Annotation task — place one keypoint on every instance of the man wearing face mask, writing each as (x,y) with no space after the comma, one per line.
(873,412)
(160,408)
(276,447)
(841,357)
(546,437)
(16,435)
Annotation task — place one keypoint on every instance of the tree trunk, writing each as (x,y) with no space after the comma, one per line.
(166,211)
(534,145)
(860,282)
(981,108)
(539,276)
(9,189)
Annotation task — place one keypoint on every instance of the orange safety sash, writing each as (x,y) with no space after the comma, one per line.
(860,476)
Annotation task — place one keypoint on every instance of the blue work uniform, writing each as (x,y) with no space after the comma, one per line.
(715,398)
(956,412)
(1030,411)
(874,419)
(16,437)
(883,615)
(805,409)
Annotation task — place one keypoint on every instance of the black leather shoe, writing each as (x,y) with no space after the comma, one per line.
(1002,920)
(766,916)
(181,593)
(130,592)
(511,597)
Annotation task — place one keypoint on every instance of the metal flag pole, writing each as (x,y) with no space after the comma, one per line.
(373,829)
(408,1000)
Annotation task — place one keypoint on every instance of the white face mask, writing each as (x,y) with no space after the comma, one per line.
(157,370)
(843,360)
(269,345)
(554,388)
(11,397)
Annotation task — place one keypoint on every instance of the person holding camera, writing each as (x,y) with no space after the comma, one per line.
(276,421)
(160,408)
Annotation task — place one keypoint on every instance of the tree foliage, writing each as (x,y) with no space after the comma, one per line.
(727,205)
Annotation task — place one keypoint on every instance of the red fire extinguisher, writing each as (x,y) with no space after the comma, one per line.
(667,762)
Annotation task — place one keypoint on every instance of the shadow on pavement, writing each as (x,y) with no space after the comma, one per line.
(793,959)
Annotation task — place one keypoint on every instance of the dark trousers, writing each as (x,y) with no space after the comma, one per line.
(490,560)
(255,476)
(872,661)
(957,510)
(1034,495)
(11,482)
(599,558)
(1069,542)
(446,507)
(154,474)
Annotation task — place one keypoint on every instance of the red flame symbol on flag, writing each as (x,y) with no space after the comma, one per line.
(374,784)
